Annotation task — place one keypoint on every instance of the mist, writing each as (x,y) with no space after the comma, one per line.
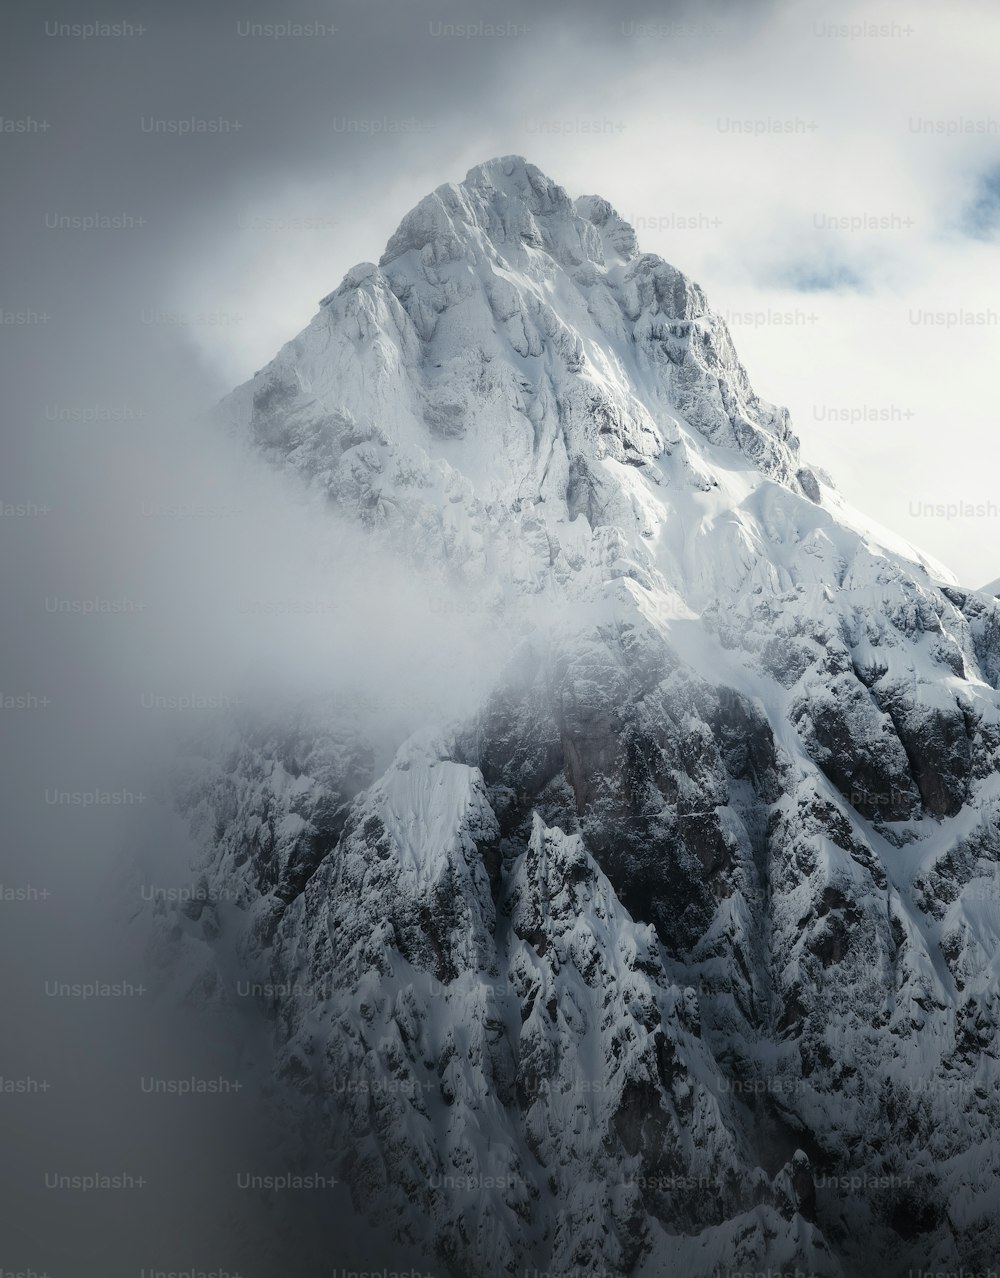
(177,589)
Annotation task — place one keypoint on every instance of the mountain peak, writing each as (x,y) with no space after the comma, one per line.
(507,172)
(722,836)
(516,341)
(509,204)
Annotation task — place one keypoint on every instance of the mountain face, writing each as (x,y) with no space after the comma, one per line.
(680,952)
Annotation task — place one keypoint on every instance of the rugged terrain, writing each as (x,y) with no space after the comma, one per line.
(678,953)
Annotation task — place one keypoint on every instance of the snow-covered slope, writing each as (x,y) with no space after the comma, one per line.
(682,949)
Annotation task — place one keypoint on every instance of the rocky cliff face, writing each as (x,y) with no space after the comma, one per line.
(681,949)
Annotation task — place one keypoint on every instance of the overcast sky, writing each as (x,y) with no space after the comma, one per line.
(740,139)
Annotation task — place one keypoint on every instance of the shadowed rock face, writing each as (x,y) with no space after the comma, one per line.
(683,942)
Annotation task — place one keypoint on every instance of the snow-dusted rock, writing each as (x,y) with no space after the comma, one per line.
(680,953)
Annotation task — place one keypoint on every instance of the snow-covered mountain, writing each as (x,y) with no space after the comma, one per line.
(680,953)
